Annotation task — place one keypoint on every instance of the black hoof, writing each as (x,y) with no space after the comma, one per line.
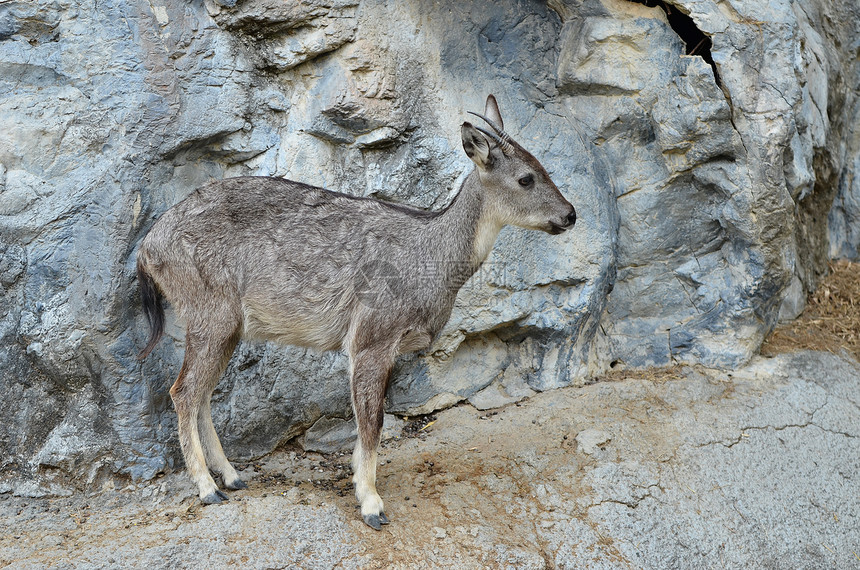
(215,498)
(383,519)
(373,521)
(236,485)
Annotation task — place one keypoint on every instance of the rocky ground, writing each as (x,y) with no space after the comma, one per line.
(683,468)
(680,467)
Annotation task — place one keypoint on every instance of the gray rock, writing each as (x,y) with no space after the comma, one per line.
(506,390)
(591,440)
(332,435)
(703,192)
(844,217)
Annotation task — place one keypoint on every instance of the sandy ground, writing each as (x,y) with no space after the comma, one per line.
(687,468)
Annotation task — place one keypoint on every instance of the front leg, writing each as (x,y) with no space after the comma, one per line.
(369,378)
(364,480)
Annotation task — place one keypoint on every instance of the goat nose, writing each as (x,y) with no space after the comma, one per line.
(571,218)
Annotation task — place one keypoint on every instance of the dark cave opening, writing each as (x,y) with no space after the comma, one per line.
(696,42)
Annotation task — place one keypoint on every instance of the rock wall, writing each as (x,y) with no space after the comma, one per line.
(702,143)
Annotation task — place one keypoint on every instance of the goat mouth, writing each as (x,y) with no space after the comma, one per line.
(555,229)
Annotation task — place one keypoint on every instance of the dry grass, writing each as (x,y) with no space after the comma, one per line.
(831,320)
(657,374)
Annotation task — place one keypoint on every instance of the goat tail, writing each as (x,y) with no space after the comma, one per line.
(152,308)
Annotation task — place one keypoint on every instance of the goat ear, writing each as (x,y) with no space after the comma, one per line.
(476,146)
(491,110)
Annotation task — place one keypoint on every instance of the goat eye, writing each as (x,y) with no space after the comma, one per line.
(526,180)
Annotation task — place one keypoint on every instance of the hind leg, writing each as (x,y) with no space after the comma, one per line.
(212,450)
(206,356)
(214,453)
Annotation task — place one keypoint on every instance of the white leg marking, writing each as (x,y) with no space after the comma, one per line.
(364,479)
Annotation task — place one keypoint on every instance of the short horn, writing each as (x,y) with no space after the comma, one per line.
(495,127)
(507,148)
(505,137)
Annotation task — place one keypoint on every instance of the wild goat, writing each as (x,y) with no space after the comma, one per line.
(272,259)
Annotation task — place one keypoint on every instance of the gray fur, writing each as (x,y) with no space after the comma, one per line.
(273,259)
